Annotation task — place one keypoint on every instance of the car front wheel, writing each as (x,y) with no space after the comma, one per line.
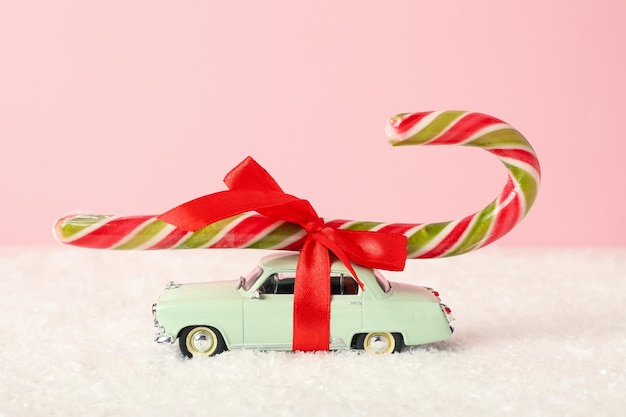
(201,341)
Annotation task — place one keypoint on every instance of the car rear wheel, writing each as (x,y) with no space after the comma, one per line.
(201,341)
(380,342)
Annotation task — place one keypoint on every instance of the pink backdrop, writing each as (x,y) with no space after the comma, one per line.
(131,107)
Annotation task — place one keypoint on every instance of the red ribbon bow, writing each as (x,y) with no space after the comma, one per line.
(252,188)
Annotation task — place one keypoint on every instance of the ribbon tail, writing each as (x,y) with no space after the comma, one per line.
(311,306)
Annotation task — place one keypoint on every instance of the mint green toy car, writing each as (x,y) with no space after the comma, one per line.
(257,312)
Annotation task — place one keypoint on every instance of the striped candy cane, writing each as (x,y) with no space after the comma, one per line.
(428,240)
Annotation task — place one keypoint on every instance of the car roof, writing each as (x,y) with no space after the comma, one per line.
(289,261)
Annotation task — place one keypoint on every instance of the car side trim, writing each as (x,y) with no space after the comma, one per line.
(335,343)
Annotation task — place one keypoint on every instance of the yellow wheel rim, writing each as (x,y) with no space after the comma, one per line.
(201,341)
(379,343)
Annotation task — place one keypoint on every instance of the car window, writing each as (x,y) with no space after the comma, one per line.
(341,284)
(279,283)
(269,286)
(284,283)
(285,286)
(382,281)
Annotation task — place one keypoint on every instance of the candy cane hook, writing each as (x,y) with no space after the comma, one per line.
(501,215)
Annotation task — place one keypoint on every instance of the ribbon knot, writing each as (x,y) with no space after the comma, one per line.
(252,188)
(314,226)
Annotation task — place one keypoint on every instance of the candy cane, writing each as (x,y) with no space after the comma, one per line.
(428,240)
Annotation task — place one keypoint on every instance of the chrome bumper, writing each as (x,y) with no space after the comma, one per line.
(159,334)
(161,337)
(448,313)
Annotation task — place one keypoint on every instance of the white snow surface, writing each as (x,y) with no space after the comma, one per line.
(539,332)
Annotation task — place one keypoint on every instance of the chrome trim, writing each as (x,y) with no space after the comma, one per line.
(159,333)
(335,343)
(164,339)
(154,319)
(449,316)
(171,285)
(435,293)
(161,337)
(283,346)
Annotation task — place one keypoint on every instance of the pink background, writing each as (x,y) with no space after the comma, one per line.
(132,107)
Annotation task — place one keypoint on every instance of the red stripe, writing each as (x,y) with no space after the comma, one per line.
(109,234)
(399,228)
(336,223)
(169,241)
(464,128)
(408,122)
(297,245)
(245,233)
(509,213)
(452,238)
(518,154)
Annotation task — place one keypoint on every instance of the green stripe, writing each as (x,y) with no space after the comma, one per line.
(277,235)
(435,127)
(507,136)
(527,184)
(204,235)
(478,231)
(422,237)
(361,226)
(148,232)
(70,226)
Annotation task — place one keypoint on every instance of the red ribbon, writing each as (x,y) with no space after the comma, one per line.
(252,188)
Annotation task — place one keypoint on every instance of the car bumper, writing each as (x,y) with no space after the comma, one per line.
(159,335)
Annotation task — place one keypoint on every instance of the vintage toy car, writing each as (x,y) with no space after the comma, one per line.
(257,312)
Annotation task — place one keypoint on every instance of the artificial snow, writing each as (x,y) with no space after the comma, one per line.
(539,332)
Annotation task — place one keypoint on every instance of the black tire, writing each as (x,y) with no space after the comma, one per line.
(399,342)
(201,341)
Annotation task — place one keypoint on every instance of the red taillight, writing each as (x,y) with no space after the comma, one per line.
(447,310)
(433,292)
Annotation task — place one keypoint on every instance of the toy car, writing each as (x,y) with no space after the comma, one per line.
(257,312)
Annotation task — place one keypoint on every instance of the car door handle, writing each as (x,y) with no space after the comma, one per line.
(354,303)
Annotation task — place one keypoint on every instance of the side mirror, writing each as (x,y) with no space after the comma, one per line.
(255,295)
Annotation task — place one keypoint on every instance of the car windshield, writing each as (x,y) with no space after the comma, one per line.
(382,281)
(249,280)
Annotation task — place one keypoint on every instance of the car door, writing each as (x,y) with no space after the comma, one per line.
(346,309)
(268,319)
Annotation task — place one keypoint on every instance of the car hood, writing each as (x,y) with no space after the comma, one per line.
(401,289)
(201,291)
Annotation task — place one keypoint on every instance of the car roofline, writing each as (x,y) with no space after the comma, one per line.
(289,261)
